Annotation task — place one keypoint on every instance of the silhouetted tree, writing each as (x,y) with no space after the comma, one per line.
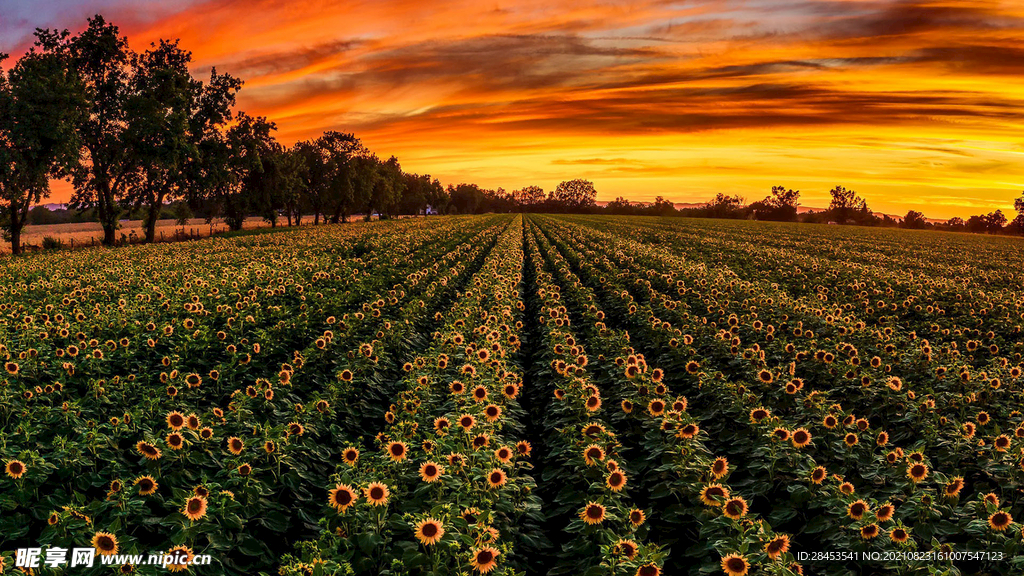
(42,100)
(528,196)
(249,141)
(991,223)
(724,206)
(914,220)
(780,205)
(575,194)
(466,198)
(846,206)
(109,168)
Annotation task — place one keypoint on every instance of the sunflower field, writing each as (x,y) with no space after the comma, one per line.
(519,394)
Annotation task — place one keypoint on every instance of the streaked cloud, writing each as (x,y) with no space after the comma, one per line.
(913,103)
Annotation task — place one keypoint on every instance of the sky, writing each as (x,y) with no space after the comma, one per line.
(914,104)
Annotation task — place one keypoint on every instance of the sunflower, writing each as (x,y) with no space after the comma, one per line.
(593,403)
(350,455)
(777,546)
(830,422)
(235,445)
(430,471)
(885,512)
(269,447)
(53,519)
(484,559)
(991,499)
(397,451)
(496,478)
(341,497)
(504,454)
(470,515)
(195,508)
(182,557)
(481,440)
(429,531)
(735,507)
(917,472)
(175,420)
(147,485)
(846,488)
(627,548)
(377,494)
(870,531)
(12,368)
(720,467)
(712,493)
(1000,521)
(857,509)
(175,440)
(616,481)
(656,407)
(735,565)
(899,535)
(592,454)
(593,513)
(801,437)
(441,425)
(148,450)
(467,421)
(15,469)
(1001,443)
(206,433)
(524,448)
(105,543)
(759,414)
(492,412)
(953,487)
(780,434)
(479,393)
(688,431)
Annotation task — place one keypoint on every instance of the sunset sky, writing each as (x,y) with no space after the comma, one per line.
(913,104)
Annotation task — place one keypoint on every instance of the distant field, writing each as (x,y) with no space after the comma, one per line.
(87,232)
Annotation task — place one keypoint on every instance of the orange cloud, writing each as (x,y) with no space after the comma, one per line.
(913,103)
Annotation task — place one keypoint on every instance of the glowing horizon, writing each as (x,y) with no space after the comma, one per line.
(915,104)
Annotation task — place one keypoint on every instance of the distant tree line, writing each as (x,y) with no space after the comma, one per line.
(845,207)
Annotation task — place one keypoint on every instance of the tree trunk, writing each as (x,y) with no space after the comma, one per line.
(316,218)
(15,237)
(151,217)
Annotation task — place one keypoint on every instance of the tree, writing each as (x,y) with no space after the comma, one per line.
(619,206)
(466,198)
(992,222)
(663,207)
(387,188)
(42,99)
(102,59)
(914,220)
(247,143)
(956,222)
(846,205)
(1018,221)
(159,115)
(575,194)
(724,206)
(342,174)
(781,205)
(528,196)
